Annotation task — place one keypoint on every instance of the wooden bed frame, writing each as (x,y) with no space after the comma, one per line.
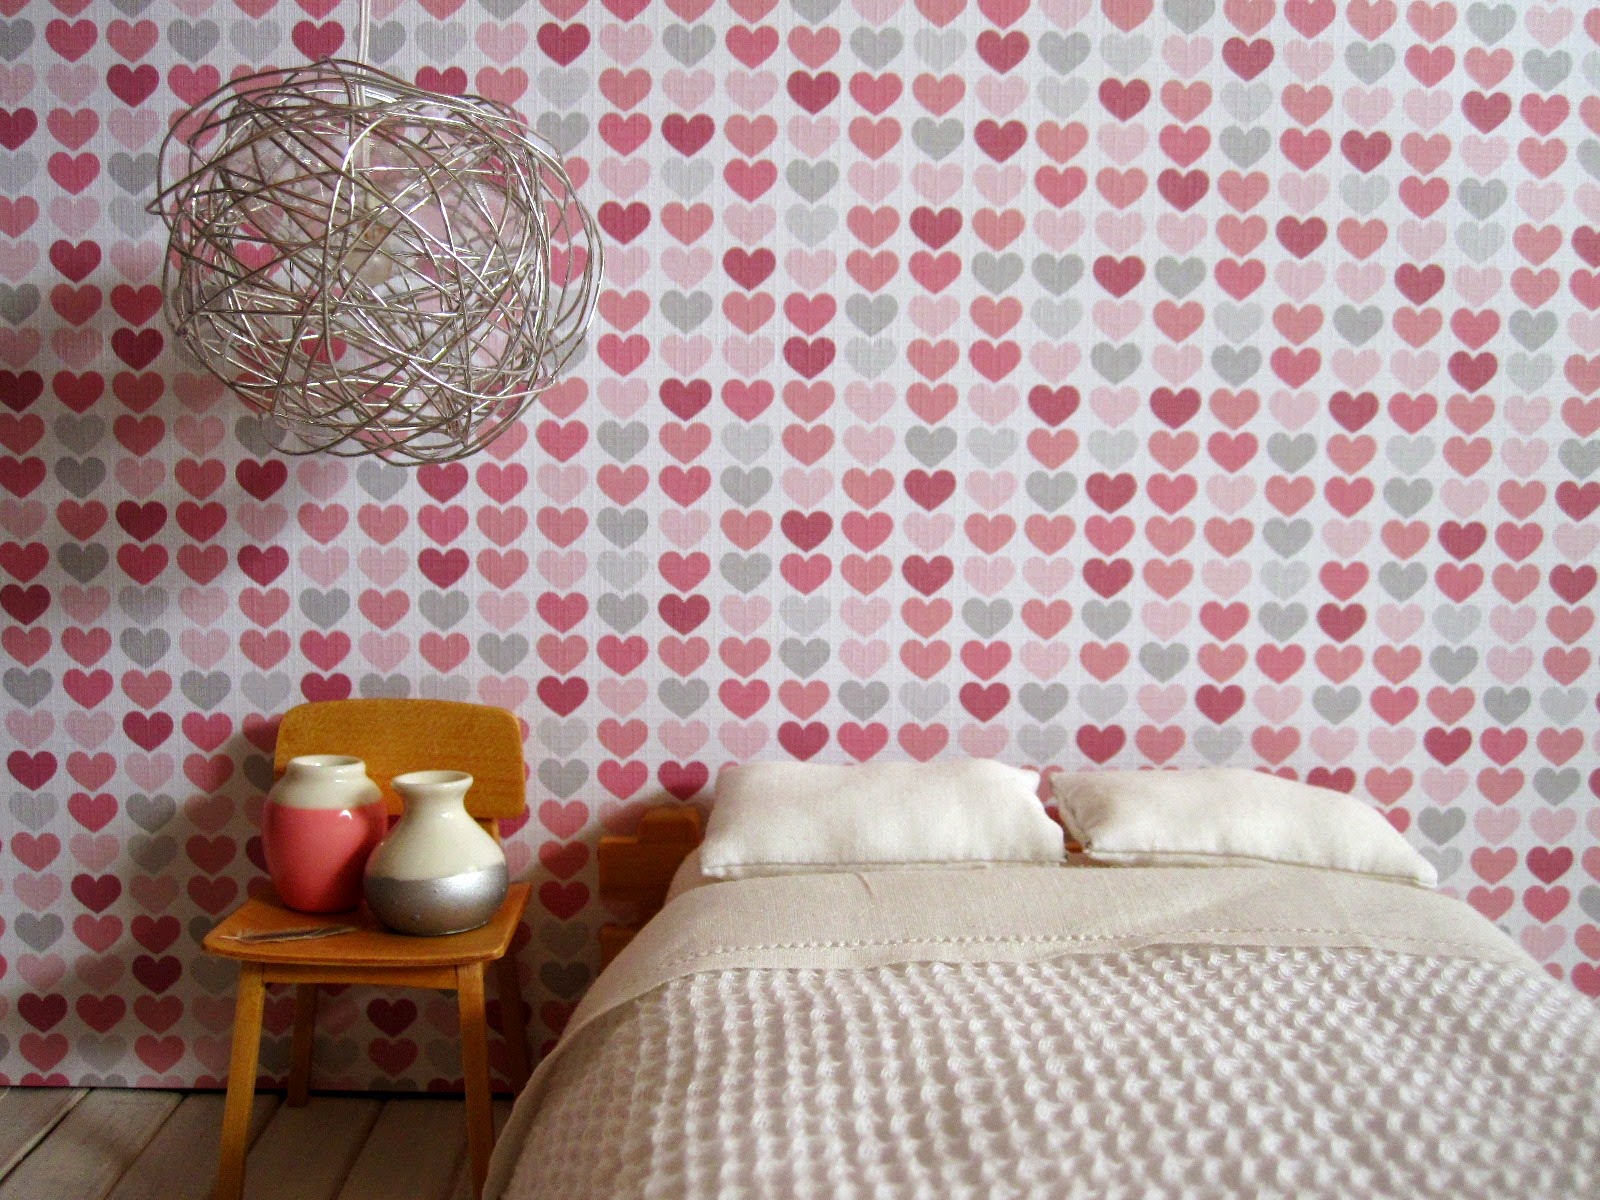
(636,871)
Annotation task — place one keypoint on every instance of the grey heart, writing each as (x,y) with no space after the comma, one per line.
(1163,662)
(1410,455)
(812,226)
(15,38)
(1358,325)
(381,481)
(939,49)
(1064,53)
(145,606)
(566,131)
(1244,147)
(386,40)
(876,48)
(1336,705)
(804,658)
(686,312)
(623,571)
(205,690)
(1533,330)
(871,314)
(1043,701)
(83,563)
(1042,744)
(504,10)
(441,42)
(1563,705)
(28,688)
(687,177)
(153,854)
(1482,198)
(563,738)
(622,613)
(815,11)
(997,272)
(1056,318)
(930,447)
(255,38)
(1589,154)
(688,45)
(34,810)
(132,7)
(863,701)
(1480,242)
(937,139)
(1546,69)
(987,618)
(17,304)
(1581,458)
(622,528)
(565,938)
(150,813)
(1441,824)
(257,769)
(811,180)
(1589,901)
(745,571)
(566,980)
(1218,746)
(1446,861)
(1292,452)
(1102,702)
(1247,102)
(1363,193)
(17,170)
(622,442)
(1369,61)
(193,39)
(746,488)
(1189,15)
(1457,624)
(384,687)
(1180,276)
(266,692)
(1402,580)
(1491,22)
(1555,786)
(563,778)
(1282,621)
(80,434)
(1058,275)
(1453,664)
(80,476)
(130,216)
(563,86)
(684,697)
(443,609)
(503,653)
(924,701)
(454,687)
(1115,363)
(1530,373)
(1506,705)
(1286,580)
(1063,97)
(1125,53)
(992,447)
(1408,497)
(870,358)
(324,609)
(146,647)
(805,614)
(39,932)
(102,1052)
(1236,364)
(1113,448)
(1106,619)
(1051,491)
(1238,321)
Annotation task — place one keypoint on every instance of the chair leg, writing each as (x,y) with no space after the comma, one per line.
(515,1015)
(475,1069)
(305,1028)
(241,1082)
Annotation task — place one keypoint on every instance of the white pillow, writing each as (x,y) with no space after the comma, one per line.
(782,818)
(1228,816)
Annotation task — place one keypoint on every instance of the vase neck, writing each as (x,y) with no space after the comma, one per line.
(434,793)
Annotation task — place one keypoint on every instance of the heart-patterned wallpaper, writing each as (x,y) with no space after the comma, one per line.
(1077,383)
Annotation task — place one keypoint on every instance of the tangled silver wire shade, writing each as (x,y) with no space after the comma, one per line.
(377,268)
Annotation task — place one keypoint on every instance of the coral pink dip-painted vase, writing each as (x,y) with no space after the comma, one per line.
(322,820)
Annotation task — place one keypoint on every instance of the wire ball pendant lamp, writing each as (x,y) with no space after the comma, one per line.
(376,268)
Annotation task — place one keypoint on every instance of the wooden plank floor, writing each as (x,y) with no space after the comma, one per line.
(134,1144)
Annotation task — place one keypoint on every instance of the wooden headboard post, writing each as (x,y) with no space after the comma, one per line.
(636,871)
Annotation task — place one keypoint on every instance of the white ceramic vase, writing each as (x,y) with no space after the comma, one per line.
(438,871)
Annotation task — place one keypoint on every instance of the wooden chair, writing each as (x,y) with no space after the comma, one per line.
(391,737)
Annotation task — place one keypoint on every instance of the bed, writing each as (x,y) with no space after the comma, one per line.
(1043,1031)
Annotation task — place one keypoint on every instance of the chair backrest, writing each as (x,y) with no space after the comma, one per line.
(396,736)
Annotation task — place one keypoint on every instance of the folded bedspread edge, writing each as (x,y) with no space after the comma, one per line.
(1008,914)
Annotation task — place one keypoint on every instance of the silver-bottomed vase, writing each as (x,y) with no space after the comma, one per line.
(438,871)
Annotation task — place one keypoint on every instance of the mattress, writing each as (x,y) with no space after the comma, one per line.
(1039,1032)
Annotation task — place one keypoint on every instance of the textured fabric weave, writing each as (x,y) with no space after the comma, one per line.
(1182,1072)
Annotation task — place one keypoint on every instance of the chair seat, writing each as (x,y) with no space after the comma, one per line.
(369,946)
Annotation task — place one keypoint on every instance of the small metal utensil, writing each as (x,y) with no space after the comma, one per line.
(300,933)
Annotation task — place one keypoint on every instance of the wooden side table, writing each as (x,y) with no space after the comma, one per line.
(369,955)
